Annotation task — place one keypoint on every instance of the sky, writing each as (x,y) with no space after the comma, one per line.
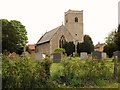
(100,17)
(118,12)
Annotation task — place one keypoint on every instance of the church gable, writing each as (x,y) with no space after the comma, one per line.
(59,37)
(47,36)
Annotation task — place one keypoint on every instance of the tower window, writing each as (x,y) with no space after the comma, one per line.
(66,21)
(76,19)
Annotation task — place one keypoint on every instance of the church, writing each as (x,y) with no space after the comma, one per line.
(72,30)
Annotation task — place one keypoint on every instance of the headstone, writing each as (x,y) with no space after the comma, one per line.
(104,55)
(39,56)
(89,57)
(57,56)
(83,55)
(25,54)
(97,55)
(116,55)
(13,55)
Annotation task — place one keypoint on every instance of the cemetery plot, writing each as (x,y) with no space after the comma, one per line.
(83,55)
(57,56)
(97,55)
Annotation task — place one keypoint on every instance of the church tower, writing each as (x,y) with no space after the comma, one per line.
(74,23)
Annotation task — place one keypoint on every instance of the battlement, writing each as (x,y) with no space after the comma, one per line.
(73,11)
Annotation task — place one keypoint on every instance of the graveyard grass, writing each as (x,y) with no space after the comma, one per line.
(58,69)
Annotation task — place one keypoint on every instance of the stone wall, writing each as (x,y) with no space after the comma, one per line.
(75,28)
(54,43)
(44,48)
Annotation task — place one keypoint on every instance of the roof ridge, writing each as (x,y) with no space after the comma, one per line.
(49,35)
(56,30)
(41,37)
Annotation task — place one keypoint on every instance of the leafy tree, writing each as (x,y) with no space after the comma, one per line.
(13,36)
(88,39)
(117,37)
(110,46)
(69,48)
(86,45)
(110,38)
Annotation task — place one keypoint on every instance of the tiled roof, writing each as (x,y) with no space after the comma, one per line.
(31,46)
(99,45)
(47,36)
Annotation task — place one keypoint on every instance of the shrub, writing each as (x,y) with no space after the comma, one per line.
(25,73)
(76,73)
(60,50)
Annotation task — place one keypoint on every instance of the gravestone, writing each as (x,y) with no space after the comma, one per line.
(13,55)
(89,57)
(57,56)
(83,55)
(104,55)
(25,54)
(116,55)
(97,55)
(39,56)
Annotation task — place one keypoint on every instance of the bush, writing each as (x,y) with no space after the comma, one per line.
(76,73)
(60,50)
(25,73)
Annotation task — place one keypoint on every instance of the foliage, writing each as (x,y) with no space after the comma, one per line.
(119,72)
(69,73)
(59,50)
(69,48)
(110,38)
(117,38)
(25,73)
(14,36)
(76,73)
(110,46)
(86,46)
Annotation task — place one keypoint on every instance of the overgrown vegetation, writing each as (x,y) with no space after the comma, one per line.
(76,73)
(25,73)
(113,42)
(71,72)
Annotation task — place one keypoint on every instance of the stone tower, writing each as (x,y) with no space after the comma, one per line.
(74,23)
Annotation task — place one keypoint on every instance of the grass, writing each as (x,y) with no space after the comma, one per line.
(57,67)
(110,85)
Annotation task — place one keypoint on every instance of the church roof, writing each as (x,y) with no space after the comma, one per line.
(47,36)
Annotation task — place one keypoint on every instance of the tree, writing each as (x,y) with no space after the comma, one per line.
(110,46)
(14,36)
(110,38)
(69,48)
(117,38)
(86,45)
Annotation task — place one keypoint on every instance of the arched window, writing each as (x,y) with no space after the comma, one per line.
(76,19)
(66,21)
(62,41)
